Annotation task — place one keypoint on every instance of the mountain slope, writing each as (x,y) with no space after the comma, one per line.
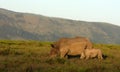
(15,25)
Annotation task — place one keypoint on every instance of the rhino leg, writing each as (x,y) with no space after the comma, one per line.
(87,57)
(82,55)
(100,57)
(63,53)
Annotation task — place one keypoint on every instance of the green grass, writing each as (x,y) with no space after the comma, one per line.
(33,56)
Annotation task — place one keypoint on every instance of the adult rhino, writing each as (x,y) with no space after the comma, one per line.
(70,46)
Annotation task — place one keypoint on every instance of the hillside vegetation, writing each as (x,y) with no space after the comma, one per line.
(25,26)
(33,56)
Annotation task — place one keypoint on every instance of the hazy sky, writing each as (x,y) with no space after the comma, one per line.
(87,10)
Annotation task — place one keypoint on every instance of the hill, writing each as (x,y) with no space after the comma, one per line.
(16,25)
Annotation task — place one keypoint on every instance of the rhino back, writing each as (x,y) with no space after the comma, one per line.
(68,41)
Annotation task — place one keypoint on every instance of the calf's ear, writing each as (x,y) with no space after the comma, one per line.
(52,45)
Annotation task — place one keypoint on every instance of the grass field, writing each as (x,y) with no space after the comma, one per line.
(33,56)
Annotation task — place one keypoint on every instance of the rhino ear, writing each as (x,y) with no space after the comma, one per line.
(52,45)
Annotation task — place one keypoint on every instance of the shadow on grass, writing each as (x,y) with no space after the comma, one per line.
(104,56)
(73,57)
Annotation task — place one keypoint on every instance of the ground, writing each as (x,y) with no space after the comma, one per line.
(33,56)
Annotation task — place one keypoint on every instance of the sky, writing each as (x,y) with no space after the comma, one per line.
(85,10)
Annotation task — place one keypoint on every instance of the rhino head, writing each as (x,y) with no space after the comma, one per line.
(54,51)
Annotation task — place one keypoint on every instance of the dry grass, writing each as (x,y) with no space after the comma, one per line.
(33,56)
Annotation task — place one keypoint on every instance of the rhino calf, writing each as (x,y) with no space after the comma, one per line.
(92,53)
